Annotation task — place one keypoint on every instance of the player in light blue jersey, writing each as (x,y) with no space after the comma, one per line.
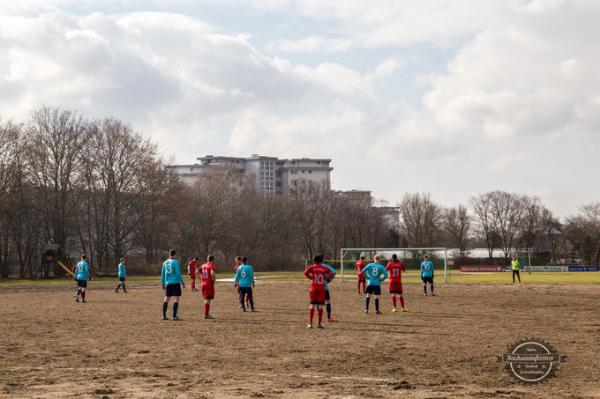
(327,292)
(375,274)
(244,280)
(172,283)
(427,274)
(121,273)
(82,275)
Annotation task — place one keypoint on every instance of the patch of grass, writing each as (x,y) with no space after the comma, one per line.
(411,276)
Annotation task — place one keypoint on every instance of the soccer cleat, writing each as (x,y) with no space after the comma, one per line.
(404,310)
(394,310)
(320,326)
(83,301)
(208,317)
(77,300)
(176,318)
(432,294)
(425,293)
(165,318)
(331,319)
(309,325)
(366,311)
(378,312)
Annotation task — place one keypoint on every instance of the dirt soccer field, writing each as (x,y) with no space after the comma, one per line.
(117,346)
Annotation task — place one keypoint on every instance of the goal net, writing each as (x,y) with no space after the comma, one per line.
(412,258)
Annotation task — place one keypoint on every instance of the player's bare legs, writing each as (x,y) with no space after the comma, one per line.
(207,315)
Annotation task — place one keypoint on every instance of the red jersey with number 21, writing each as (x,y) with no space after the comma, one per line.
(318,275)
(395,270)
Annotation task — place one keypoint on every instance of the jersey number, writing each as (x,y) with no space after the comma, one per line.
(205,274)
(319,279)
(395,272)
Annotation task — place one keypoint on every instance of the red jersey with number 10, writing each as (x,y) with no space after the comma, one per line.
(206,270)
(395,270)
(319,275)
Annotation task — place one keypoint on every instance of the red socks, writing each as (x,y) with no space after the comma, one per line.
(320,317)
(311,315)
(358,287)
(193,285)
(394,301)
(401,301)
(206,309)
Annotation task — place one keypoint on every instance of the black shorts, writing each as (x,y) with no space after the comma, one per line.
(327,297)
(427,280)
(173,290)
(121,279)
(374,289)
(82,283)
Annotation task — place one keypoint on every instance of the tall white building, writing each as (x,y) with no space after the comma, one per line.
(270,174)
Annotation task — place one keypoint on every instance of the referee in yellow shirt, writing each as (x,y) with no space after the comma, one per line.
(516,266)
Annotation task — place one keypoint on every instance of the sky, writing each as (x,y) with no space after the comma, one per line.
(450,97)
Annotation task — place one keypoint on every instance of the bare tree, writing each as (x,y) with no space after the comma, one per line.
(10,137)
(420,218)
(583,232)
(486,222)
(55,141)
(457,224)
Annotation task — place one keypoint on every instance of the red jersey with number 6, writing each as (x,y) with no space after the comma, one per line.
(319,275)
(206,270)
(208,284)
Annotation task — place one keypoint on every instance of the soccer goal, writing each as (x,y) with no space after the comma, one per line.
(412,258)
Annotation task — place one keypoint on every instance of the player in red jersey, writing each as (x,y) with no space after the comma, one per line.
(192,268)
(319,275)
(361,278)
(395,269)
(207,274)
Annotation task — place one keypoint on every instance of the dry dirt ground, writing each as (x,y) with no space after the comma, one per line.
(117,346)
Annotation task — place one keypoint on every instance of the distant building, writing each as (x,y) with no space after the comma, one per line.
(355,196)
(271,174)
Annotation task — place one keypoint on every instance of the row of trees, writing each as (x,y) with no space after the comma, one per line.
(98,187)
(504,221)
(101,188)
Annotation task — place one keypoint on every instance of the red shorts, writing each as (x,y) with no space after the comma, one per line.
(361,277)
(317,297)
(395,287)
(193,276)
(208,291)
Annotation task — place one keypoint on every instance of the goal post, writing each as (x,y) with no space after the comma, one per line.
(411,257)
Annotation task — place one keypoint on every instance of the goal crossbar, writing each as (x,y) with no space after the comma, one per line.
(440,250)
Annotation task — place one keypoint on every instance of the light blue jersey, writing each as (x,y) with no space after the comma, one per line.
(171,274)
(427,268)
(332,270)
(244,276)
(121,270)
(82,271)
(375,273)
